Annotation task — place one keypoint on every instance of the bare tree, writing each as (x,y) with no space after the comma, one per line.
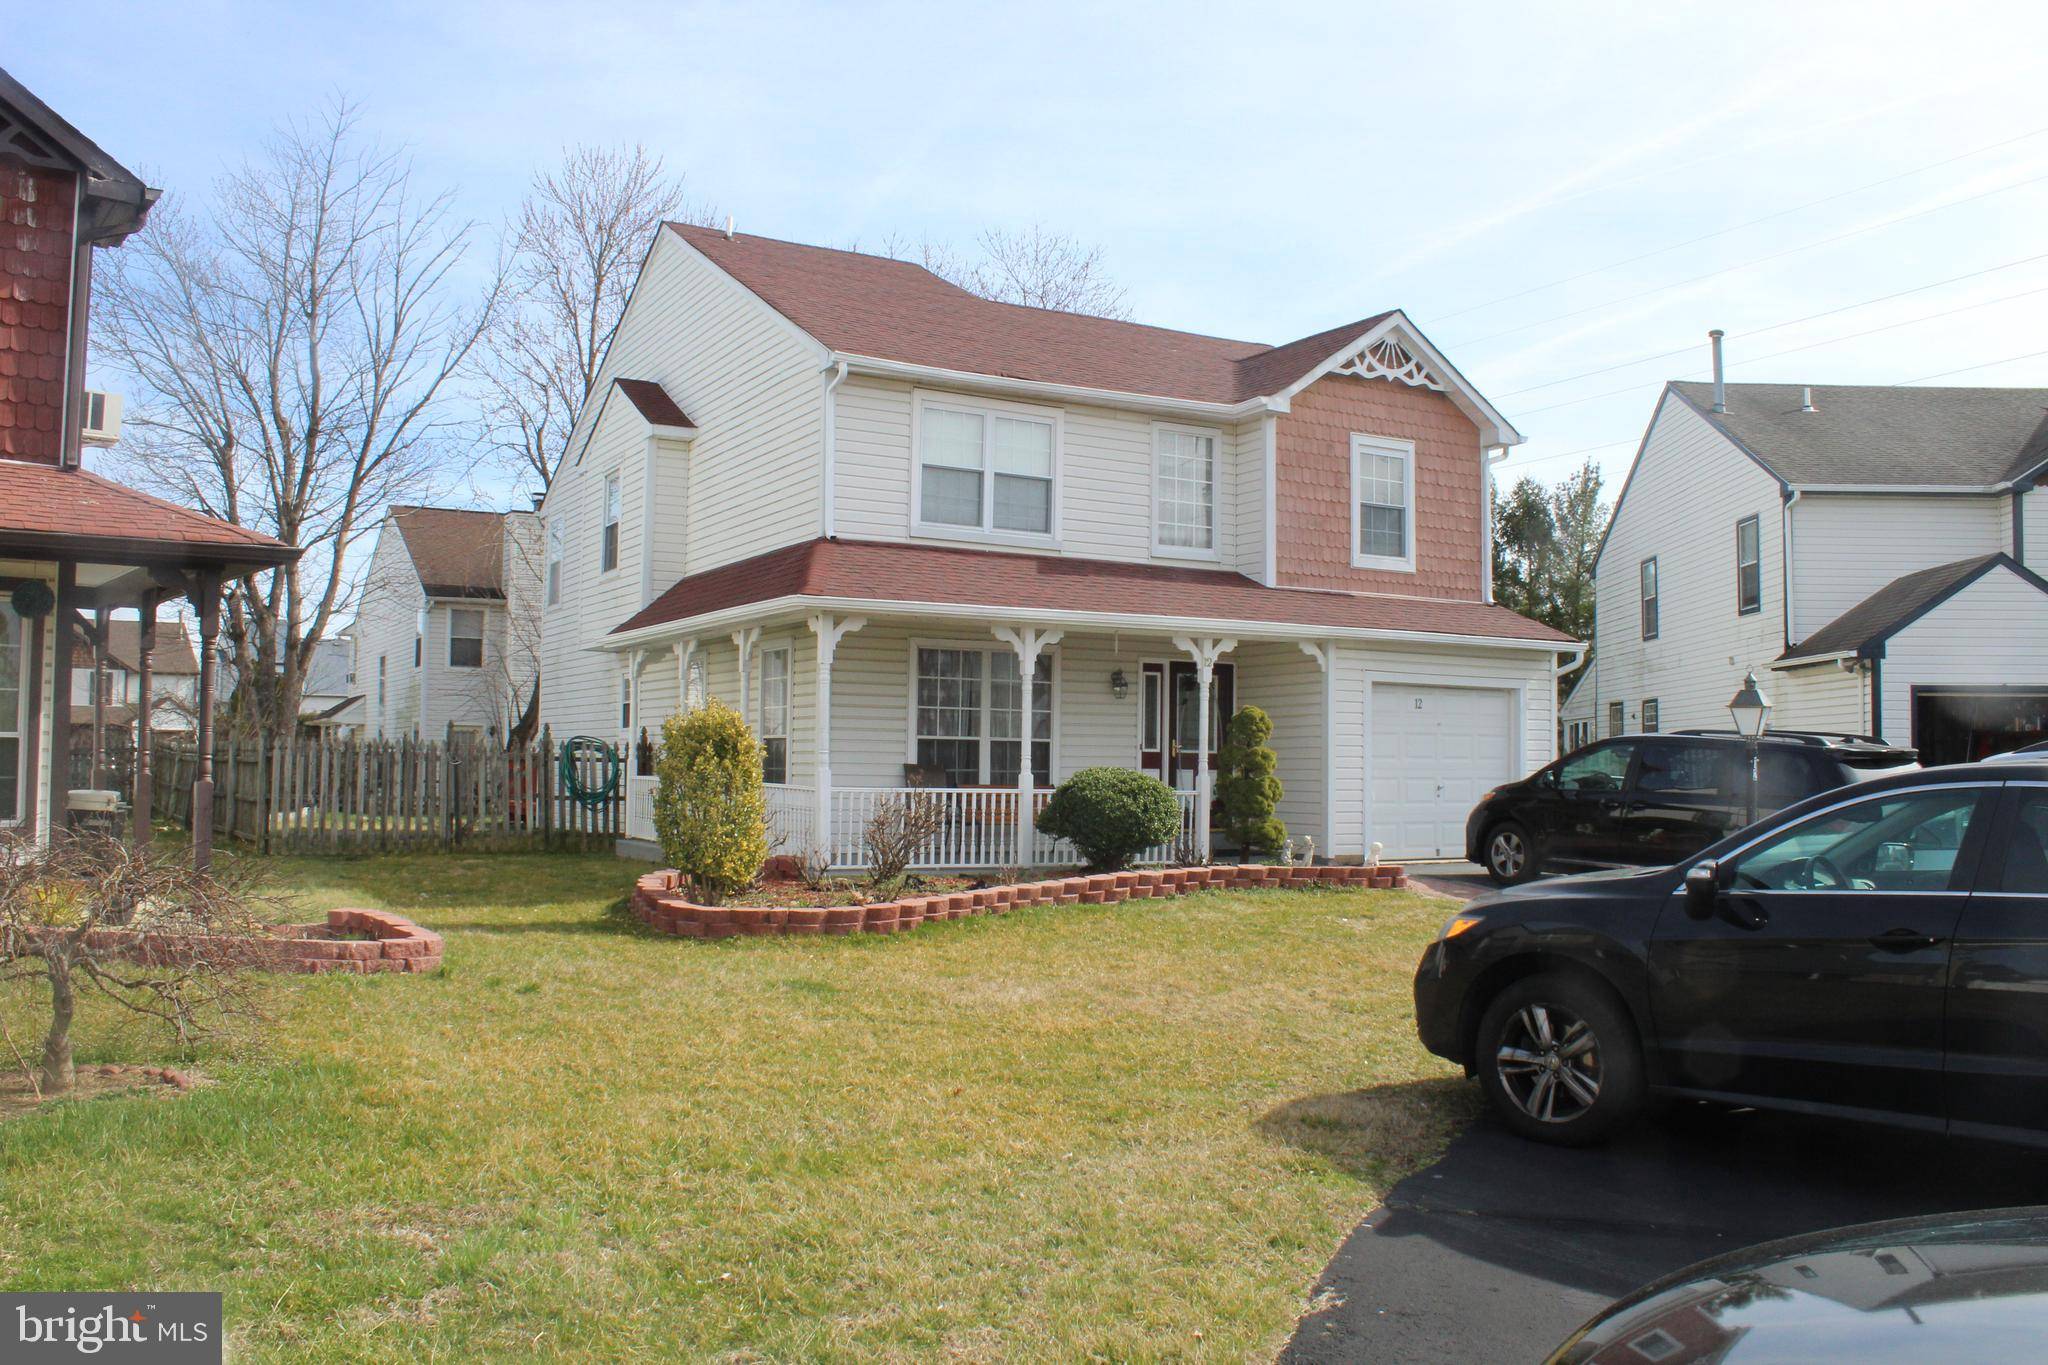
(575,253)
(187,936)
(291,350)
(899,830)
(1033,266)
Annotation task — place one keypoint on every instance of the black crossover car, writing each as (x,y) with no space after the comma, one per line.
(1879,951)
(1652,799)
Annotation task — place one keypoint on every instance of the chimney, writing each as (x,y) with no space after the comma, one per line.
(538,499)
(1720,384)
(728,227)
(1806,400)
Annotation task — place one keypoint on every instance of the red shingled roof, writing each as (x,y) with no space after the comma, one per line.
(893,310)
(40,500)
(654,402)
(881,572)
(456,551)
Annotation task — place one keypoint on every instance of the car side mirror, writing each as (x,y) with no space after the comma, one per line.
(1703,890)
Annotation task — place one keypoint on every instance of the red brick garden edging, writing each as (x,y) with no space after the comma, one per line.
(394,944)
(656,903)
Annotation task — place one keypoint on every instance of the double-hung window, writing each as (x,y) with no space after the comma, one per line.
(1648,585)
(608,551)
(1749,588)
(1649,715)
(465,637)
(11,708)
(1383,503)
(970,720)
(985,469)
(774,725)
(1184,461)
(1615,719)
(554,561)
(694,690)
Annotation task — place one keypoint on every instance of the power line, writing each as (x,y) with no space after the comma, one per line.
(1968,369)
(1779,326)
(1759,260)
(1738,227)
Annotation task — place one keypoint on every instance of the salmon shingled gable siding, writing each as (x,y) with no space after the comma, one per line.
(1313,471)
(35,292)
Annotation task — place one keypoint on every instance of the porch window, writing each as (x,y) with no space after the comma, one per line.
(554,562)
(10,714)
(608,552)
(693,686)
(775,715)
(1383,496)
(969,716)
(985,469)
(465,638)
(1184,501)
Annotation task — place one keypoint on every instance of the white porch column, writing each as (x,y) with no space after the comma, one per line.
(1029,642)
(744,640)
(631,662)
(1325,654)
(685,651)
(1205,650)
(829,633)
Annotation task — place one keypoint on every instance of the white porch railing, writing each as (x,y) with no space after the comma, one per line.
(640,807)
(792,812)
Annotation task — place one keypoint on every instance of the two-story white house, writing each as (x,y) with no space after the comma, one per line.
(1866,550)
(446,636)
(922,538)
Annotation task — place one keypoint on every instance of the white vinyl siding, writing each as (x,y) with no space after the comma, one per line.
(1187,463)
(1848,545)
(1993,633)
(1383,503)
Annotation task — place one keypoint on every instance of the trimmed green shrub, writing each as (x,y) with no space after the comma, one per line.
(1246,785)
(709,812)
(1112,815)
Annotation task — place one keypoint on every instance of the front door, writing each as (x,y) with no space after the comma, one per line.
(1184,693)
(1997,1073)
(1821,978)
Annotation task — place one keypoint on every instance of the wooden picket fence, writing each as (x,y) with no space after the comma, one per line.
(371,796)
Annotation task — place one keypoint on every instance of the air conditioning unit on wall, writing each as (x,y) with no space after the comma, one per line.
(102,424)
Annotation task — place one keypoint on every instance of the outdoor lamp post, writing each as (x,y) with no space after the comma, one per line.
(1751,710)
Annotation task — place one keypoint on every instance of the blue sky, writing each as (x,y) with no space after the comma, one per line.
(1548,190)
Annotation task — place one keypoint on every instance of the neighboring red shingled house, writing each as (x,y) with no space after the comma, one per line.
(74,546)
(923,537)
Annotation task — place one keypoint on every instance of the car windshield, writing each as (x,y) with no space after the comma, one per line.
(1903,842)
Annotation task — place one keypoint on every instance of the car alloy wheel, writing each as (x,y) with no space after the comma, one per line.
(1549,1063)
(1507,854)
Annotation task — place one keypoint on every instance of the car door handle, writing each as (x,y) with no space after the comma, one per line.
(1903,940)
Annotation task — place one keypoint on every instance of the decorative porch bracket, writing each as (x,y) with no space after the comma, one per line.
(1205,650)
(1319,652)
(1029,642)
(829,632)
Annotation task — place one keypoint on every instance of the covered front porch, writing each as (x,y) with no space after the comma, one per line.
(856,711)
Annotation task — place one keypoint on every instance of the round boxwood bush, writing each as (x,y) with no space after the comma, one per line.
(1112,815)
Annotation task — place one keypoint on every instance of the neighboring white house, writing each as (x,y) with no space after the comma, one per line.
(174,677)
(1865,550)
(864,506)
(329,702)
(445,635)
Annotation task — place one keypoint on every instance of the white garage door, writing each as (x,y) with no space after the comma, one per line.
(1434,751)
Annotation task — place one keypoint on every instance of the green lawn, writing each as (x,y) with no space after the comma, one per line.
(1131,1132)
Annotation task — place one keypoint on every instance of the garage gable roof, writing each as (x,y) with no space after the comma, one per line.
(1863,629)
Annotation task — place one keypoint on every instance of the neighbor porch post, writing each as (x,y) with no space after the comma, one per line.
(207,600)
(829,633)
(98,778)
(1205,650)
(145,643)
(1029,642)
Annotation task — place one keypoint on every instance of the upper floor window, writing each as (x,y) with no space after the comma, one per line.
(987,469)
(465,638)
(608,552)
(1649,591)
(1383,503)
(554,561)
(1749,588)
(1649,715)
(1184,491)
(381,660)
(775,714)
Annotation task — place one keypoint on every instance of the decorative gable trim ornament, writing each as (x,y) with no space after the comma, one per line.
(1387,358)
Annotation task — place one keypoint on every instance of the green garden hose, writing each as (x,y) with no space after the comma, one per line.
(579,754)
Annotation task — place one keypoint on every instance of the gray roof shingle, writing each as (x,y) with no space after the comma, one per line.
(1894,606)
(1884,435)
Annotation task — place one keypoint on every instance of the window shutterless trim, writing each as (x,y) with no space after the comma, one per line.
(1649,598)
(1214,549)
(986,408)
(1755,525)
(1362,445)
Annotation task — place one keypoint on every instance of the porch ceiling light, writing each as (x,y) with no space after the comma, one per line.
(1119,685)
(1750,708)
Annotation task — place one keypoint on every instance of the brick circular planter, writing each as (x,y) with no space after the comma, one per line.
(657,903)
(349,941)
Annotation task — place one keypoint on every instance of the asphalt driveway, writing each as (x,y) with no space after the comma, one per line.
(1501,1248)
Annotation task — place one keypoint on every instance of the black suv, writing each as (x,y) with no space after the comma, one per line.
(1878,952)
(1653,799)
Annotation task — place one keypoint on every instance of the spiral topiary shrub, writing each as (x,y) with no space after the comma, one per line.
(1111,815)
(709,812)
(1247,788)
